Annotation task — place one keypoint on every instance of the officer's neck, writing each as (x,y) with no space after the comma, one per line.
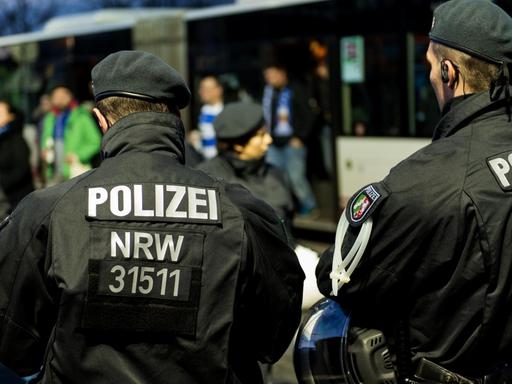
(154,132)
(454,102)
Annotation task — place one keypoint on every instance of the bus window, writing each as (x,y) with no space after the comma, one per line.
(372,85)
(427,111)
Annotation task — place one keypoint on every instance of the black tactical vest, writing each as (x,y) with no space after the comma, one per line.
(148,267)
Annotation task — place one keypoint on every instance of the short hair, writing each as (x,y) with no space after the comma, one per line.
(56,86)
(477,74)
(275,64)
(214,78)
(115,108)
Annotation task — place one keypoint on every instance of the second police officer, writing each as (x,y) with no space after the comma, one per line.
(243,141)
(436,274)
(144,270)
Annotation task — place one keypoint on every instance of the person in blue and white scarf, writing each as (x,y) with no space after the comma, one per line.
(211,94)
(290,120)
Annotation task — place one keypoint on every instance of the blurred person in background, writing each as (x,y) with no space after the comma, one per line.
(290,120)
(38,115)
(359,128)
(320,154)
(15,171)
(243,141)
(70,138)
(211,94)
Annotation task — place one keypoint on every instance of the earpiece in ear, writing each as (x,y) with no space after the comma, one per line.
(444,72)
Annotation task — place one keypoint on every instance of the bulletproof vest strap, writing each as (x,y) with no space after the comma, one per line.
(342,268)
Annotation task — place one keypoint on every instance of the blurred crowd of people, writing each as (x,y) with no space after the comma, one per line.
(67,143)
(295,136)
(270,157)
(261,142)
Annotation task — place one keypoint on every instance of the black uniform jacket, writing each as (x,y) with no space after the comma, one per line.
(440,253)
(145,271)
(264,180)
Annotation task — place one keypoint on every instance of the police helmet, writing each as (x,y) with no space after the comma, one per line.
(328,350)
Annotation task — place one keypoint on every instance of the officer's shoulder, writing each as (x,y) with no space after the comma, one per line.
(365,202)
(439,163)
(273,170)
(217,169)
(209,165)
(39,204)
(52,195)
(249,206)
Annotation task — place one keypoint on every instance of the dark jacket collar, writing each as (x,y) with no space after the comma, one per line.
(153,132)
(462,110)
(244,167)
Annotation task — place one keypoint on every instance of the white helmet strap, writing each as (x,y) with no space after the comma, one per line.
(342,268)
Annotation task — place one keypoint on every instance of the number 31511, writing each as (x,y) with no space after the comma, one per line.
(142,280)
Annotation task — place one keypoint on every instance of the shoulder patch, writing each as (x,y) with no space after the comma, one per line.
(500,166)
(364,203)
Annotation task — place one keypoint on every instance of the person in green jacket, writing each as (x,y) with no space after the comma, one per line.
(70,138)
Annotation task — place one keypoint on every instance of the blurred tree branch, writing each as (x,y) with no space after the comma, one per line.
(25,15)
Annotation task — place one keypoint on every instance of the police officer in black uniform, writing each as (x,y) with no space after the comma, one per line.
(144,270)
(436,273)
(243,141)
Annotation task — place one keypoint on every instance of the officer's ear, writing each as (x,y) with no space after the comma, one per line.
(102,120)
(450,73)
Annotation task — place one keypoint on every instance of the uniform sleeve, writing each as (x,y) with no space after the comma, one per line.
(273,294)
(413,239)
(27,310)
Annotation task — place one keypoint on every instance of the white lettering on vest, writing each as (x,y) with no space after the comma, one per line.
(172,208)
(168,244)
(96,196)
(114,200)
(194,201)
(143,241)
(212,203)
(165,201)
(159,200)
(116,242)
(139,244)
(138,200)
(501,167)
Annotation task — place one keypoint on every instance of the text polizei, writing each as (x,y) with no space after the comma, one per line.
(500,166)
(153,202)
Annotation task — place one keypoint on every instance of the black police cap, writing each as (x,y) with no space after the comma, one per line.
(139,75)
(476,27)
(238,120)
